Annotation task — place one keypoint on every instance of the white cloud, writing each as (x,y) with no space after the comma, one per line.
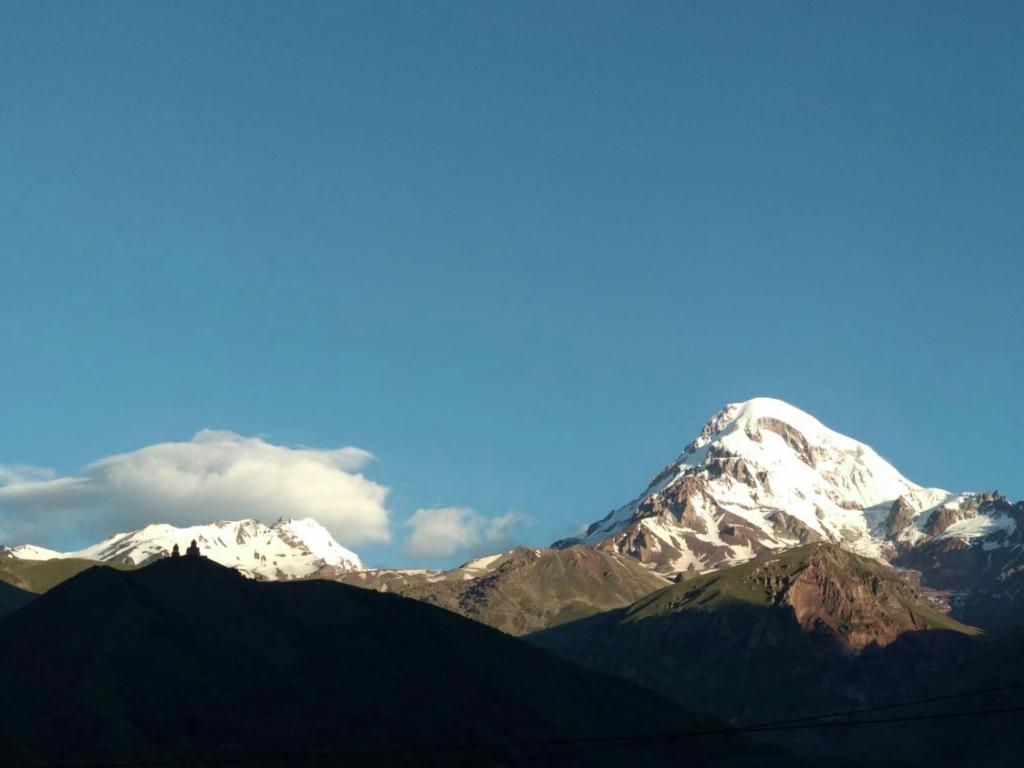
(216,475)
(22,473)
(498,527)
(443,531)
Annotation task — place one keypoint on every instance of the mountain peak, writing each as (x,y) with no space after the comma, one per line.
(763,475)
(765,407)
(752,417)
(298,523)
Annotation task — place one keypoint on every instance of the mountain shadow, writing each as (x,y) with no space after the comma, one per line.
(810,631)
(12,598)
(185,660)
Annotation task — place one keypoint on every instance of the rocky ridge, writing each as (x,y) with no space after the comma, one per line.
(522,590)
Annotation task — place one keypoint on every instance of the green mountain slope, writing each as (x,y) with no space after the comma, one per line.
(42,575)
(525,589)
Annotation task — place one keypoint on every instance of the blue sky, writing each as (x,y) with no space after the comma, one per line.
(518,252)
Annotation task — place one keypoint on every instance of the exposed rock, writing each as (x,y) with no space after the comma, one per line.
(666,473)
(788,527)
(794,439)
(854,599)
(943,517)
(677,502)
(736,531)
(901,514)
(720,463)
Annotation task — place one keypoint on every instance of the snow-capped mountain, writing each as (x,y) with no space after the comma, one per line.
(763,475)
(288,549)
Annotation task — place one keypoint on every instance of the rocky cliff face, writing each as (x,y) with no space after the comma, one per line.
(807,630)
(856,601)
(843,598)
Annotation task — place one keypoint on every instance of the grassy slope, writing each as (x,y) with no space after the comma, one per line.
(525,592)
(43,575)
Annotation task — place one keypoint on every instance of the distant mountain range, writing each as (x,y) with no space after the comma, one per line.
(288,549)
(525,589)
(519,591)
(762,476)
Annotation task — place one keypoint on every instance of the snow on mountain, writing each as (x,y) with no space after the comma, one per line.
(288,549)
(763,475)
(29,552)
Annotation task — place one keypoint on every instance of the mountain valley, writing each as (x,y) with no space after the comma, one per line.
(774,570)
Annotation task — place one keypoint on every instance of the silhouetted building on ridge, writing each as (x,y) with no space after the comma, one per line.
(193,550)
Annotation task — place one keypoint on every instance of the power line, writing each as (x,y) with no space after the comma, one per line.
(627,741)
(605,742)
(898,705)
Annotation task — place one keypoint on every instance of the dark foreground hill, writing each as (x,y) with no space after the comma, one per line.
(12,598)
(185,660)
